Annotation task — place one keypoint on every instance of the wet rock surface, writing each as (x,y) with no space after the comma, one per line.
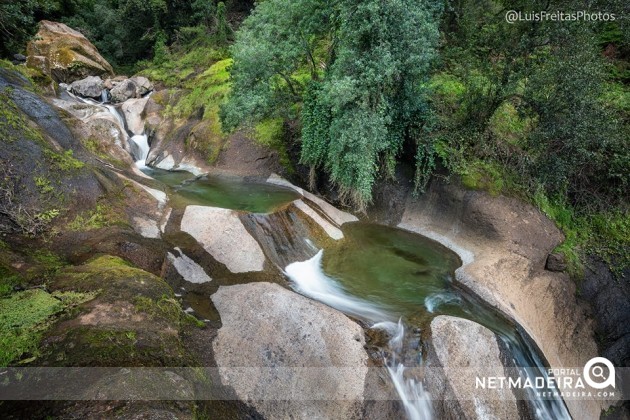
(461,350)
(609,298)
(503,243)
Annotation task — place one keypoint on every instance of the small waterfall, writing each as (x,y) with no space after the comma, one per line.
(139,144)
(140,150)
(310,280)
(282,235)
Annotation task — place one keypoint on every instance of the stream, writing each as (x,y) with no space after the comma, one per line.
(387,278)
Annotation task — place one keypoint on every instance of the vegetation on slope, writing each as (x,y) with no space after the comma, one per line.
(537,109)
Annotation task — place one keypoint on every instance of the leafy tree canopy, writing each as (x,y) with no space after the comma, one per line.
(356,68)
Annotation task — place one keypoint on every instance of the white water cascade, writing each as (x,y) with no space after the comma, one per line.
(139,143)
(310,280)
(141,150)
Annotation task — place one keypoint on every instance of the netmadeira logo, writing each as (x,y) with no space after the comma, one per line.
(592,369)
(597,375)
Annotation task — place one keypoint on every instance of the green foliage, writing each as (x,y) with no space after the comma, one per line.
(224,31)
(64,161)
(8,280)
(370,97)
(43,184)
(18,22)
(25,316)
(102,216)
(606,234)
(270,133)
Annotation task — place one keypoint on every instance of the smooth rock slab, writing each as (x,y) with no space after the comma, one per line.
(460,351)
(132,111)
(280,351)
(222,235)
(187,268)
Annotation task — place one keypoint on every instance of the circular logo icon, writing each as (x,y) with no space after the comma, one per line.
(596,376)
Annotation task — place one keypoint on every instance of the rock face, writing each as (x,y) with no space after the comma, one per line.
(64,54)
(556,262)
(297,351)
(223,236)
(460,351)
(132,110)
(90,87)
(135,87)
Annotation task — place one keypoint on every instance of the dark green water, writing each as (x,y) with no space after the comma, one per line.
(220,191)
(409,275)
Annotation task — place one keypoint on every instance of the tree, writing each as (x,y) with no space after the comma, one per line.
(18,22)
(366,63)
(224,31)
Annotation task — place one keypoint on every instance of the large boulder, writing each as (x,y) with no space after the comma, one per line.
(123,91)
(65,54)
(90,87)
(133,111)
(136,87)
(461,350)
(222,234)
(303,359)
(143,85)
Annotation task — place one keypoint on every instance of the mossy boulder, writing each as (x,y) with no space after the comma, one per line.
(134,320)
(65,54)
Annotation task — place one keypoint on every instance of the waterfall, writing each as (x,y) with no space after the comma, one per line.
(139,144)
(310,280)
(141,149)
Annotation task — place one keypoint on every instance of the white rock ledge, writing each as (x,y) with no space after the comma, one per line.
(222,235)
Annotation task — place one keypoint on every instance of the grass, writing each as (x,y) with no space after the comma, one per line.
(8,280)
(507,125)
(103,215)
(606,235)
(63,161)
(487,176)
(25,316)
(270,133)
(198,80)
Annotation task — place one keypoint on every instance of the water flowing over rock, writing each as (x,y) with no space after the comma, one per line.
(504,243)
(65,54)
(91,87)
(222,234)
(293,353)
(464,350)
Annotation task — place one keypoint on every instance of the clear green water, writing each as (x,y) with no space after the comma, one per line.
(407,274)
(225,192)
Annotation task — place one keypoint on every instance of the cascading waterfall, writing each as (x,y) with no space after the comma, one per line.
(139,143)
(310,280)
(141,150)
